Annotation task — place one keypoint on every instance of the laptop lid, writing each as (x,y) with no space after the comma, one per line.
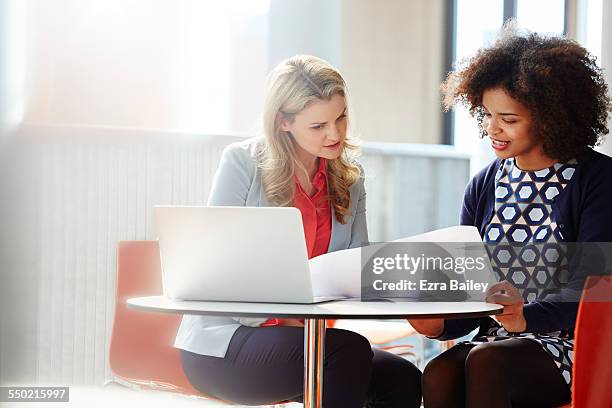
(254,254)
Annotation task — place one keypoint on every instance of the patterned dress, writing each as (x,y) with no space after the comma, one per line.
(525,248)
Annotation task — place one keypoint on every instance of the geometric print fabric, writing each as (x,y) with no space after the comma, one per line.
(524,246)
(524,239)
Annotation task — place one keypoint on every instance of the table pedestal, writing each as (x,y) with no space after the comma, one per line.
(314,353)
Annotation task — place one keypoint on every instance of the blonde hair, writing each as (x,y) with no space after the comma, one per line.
(293,84)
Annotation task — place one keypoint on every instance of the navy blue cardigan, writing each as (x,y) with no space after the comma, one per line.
(583,213)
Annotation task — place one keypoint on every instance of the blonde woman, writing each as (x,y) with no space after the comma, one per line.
(303,159)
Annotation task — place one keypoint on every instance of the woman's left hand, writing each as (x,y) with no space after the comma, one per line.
(512,318)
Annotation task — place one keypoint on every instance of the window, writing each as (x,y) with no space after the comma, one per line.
(590,22)
(543,16)
(190,65)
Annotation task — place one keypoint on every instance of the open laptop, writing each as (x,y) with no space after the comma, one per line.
(247,254)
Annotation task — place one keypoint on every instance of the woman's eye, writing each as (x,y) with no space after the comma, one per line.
(341,117)
(317,127)
(509,121)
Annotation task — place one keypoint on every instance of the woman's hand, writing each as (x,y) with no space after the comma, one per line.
(512,318)
(428,327)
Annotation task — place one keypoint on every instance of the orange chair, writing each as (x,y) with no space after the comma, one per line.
(592,354)
(141,350)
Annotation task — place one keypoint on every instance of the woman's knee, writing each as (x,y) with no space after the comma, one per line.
(395,382)
(445,370)
(405,369)
(436,372)
(341,341)
(444,379)
(395,368)
(485,360)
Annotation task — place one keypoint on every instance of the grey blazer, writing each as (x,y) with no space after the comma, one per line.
(238,183)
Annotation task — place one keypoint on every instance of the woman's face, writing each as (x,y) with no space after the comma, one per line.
(319,129)
(508,125)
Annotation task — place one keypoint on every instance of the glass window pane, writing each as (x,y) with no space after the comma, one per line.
(542,16)
(594,21)
(478,22)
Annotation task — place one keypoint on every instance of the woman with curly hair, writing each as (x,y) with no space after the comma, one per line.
(304,159)
(542,102)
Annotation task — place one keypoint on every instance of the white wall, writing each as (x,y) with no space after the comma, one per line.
(392,57)
(305,27)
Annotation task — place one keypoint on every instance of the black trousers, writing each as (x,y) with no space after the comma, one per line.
(264,365)
(501,374)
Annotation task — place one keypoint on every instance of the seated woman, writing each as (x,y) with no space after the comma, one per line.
(304,160)
(542,102)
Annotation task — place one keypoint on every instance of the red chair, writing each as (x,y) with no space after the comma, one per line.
(592,382)
(141,350)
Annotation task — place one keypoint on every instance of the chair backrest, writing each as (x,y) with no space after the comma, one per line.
(592,352)
(141,350)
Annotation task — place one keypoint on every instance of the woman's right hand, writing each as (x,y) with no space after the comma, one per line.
(428,327)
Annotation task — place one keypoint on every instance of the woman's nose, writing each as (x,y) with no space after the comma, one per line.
(334,133)
(491,127)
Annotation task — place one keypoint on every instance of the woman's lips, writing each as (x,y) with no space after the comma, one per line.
(499,144)
(334,146)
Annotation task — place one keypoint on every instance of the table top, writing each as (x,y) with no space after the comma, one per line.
(338,309)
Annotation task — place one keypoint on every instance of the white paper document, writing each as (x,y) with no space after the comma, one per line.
(339,273)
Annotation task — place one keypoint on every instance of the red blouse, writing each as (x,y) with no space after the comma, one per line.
(316,218)
(316,212)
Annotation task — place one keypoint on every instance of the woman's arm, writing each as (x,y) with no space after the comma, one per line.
(233,178)
(428,327)
(448,329)
(559,311)
(359,230)
(230,187)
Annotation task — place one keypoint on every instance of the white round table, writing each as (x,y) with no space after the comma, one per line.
(314,316)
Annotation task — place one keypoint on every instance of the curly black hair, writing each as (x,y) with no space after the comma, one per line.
(555,78)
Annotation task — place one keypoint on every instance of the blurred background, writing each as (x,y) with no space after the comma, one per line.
(108,107)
